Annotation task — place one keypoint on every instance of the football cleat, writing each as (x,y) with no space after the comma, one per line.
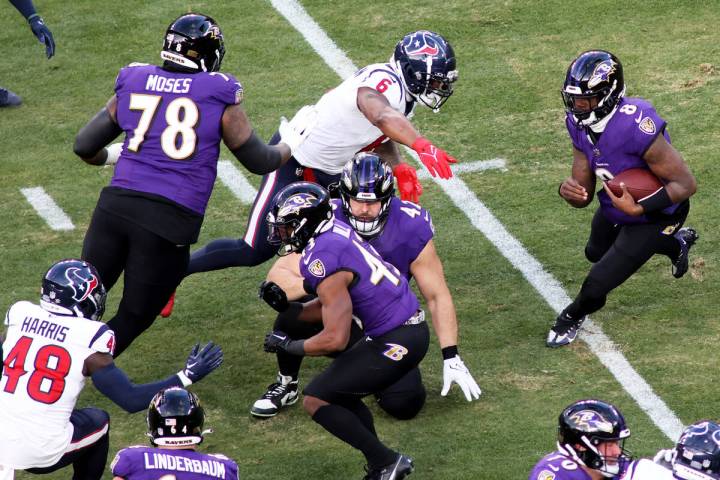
(280,394)
(8,98)
(399,469)
(168,308)
(687,237)
(564,331)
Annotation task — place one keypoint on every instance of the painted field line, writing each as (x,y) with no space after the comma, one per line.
(46,207)
(468,167)
(231,176)
(479,215)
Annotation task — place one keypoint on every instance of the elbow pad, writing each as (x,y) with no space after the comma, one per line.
(258,157)
(99,131)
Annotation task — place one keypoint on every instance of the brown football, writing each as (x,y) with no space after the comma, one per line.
(639,182)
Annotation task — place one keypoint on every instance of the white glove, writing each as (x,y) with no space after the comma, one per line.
(114,152)
(454,370)
(664,458)
(294,132)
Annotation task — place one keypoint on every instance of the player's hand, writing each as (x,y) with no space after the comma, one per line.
(294,132)
(43,34)
(436,160)
(273,296)
(664,458)
(114,152)
(201,362)
(454,370)
(408,183)
(571,190)
(276,340)
(625,202)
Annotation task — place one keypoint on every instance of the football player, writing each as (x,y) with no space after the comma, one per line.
(43,34)
(590,446)
(175,422)
(401,232)
(150,214)
(48,352)
(696,455)
(349,277)
(368,111)
(611,133)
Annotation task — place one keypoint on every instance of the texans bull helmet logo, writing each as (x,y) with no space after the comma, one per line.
(422,43)
(82,286)
(701,430)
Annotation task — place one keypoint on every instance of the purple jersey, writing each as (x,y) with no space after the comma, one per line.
(407,230)
(381,297)
(556,466)
(147,463)
(172,123)
(630,132)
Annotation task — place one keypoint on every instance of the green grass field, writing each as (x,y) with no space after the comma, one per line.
(512,61)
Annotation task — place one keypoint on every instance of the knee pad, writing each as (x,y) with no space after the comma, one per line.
(402,405)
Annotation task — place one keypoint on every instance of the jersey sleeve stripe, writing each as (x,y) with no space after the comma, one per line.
(104,328)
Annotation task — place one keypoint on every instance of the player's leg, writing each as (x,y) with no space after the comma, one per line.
(602,235)
(154,269)
(88,450)
(106,245)
(674,241)
(333,397)
(405,398)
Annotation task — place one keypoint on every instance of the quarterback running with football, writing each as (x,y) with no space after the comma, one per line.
(174,452)
(612,133)
(48,352)
(402,233)
(349,278)
(174,117)
(368,111)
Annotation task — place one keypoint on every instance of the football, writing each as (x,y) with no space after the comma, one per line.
(639,182)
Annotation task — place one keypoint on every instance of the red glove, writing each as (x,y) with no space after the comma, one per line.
(435,159)
(408,184)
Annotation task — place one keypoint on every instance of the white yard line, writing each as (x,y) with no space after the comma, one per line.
(469,167)
(48,210)
(479,215)
(230,175)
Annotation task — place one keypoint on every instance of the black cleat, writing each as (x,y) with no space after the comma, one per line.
(280,394)
(8,98)
(399,469)
(687,237)
(564,331)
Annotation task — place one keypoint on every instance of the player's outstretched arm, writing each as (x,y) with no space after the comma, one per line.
(112,382)
(102,129)
(430,277)
(37,25)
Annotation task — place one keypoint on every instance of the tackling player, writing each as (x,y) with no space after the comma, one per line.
(48,352)
(349,277)
(175,422)
(368,111)
(611,133)
(402,233)
(590,446)
(174,117)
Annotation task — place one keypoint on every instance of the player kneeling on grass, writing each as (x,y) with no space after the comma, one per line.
(611,134)
(175,422)
(696,455)
(591,438)
(349,277)
(402,233)
(48,352)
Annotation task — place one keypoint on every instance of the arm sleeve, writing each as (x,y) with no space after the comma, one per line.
(258,157)
(25,7)
(114,384)
(99,131)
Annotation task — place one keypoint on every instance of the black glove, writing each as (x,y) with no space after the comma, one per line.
(273,296)
(199,364)
(42,32)
(276,340)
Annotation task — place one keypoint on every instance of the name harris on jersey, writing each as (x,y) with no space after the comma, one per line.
(45,328)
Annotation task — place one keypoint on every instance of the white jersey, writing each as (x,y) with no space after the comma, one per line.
(43,356)
(645,469)
(341,129)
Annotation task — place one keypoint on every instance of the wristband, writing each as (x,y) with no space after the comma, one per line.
(449,352)
(296,347)
(184,379)
(657,201)
(29,19)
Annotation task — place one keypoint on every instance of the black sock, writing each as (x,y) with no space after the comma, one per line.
(362,412)
(346,426)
